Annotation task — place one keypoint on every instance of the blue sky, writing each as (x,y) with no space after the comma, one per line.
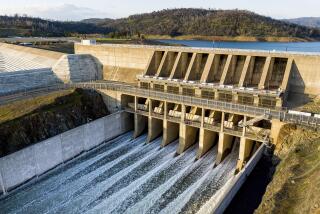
(80,9)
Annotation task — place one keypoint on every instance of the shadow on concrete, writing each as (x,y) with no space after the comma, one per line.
(83,67)
(296,96)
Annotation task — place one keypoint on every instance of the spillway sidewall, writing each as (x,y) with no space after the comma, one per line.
(20,167)
(236,182)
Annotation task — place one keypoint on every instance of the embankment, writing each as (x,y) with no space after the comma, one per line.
(295,186)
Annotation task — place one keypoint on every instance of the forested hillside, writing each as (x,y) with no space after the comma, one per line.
(173,23)
(202,22)
(28,26)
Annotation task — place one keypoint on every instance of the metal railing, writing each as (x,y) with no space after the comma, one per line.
(214,127)
(173,119)
(157,115)
(235,108)
(145,113)
(192,123)
(233,132)
(253,111)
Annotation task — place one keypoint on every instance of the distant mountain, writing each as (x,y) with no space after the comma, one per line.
(97,21)
(28,26)
(201,22)
(306,21)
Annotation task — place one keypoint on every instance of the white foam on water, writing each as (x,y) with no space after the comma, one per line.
(55,197)
(77,203)
(142,179)
(211,203)
(176,205)
(152,197)
(114,200)
(22,198)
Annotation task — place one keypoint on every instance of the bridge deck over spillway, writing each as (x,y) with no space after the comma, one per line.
(128,176)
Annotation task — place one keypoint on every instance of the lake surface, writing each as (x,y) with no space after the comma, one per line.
(269,46)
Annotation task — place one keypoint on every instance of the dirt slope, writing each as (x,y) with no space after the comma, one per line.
(295,187)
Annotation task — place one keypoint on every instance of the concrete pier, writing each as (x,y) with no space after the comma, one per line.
(246,146)
(140,124)
(154,128)
(187,137)
(170,132)
(224,146)
(207,140)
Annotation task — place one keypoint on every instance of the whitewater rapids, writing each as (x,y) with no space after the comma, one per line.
(127,175)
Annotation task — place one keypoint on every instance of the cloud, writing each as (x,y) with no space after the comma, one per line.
(61,12)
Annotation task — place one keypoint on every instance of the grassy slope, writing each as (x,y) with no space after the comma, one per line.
(313,106)
(17,109)
(295,187)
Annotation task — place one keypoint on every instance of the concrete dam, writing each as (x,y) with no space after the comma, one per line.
(188,126)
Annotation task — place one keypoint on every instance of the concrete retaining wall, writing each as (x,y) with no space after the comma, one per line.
(78,68)
(305,75)
(234,184)
(21,166)
(112,99)
(120,63)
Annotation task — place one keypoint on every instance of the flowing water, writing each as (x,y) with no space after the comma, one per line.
(127,176)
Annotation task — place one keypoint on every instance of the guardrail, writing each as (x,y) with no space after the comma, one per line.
(174,119)
(211,104)
(157,115)
(235,108)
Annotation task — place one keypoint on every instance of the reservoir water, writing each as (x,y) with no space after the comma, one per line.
(269,46)
(127,175)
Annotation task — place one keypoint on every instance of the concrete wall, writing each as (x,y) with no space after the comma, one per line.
(305,75)
(112,99)
(78,68)
(234,184)
(21,166)
(124,62)
(120,63)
